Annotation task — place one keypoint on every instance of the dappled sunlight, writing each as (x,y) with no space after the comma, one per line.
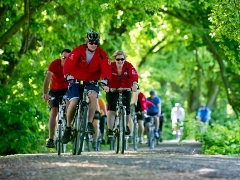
(79,164)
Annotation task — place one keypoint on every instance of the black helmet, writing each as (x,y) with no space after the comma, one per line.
(152,92)
(93,36)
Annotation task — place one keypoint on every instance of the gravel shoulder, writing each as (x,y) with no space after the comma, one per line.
(166,161)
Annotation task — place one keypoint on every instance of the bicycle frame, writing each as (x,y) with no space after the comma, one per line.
(79,124)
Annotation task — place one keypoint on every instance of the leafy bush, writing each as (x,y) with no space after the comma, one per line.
(216,139)
(19,128)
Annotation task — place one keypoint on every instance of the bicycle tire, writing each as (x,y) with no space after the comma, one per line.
(82,129)
(59,142)
(135,135)
(151,137)
(117,140)
(74,134)
(122,125)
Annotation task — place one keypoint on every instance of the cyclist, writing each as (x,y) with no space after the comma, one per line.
(86,64)
(103,118)
(124,75)
(155,110)
(177,116)
(99,121)
(203,114)
(58,87)
(142,106)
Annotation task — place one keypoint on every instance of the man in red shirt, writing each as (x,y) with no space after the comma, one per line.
(87,63)
(124,75)
(58,87)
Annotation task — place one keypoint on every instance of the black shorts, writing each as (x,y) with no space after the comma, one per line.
(112,100)
(57,94)
(148,119)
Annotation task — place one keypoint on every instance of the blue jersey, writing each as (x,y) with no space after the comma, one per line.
(204,114)
(153,110)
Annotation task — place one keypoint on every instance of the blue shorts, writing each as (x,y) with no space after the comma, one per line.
(75,90)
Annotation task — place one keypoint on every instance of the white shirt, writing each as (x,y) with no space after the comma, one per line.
(177,113)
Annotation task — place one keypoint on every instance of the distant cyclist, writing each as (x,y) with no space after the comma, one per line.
(203,114)
(142,106)
(58,87)
(177,116)
(155,110)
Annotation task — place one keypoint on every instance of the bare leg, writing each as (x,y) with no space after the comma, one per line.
(140,128)
(110,119)
(130,125)
(156,122)
(52,121)
(96,127)
(92,95)
(71,111)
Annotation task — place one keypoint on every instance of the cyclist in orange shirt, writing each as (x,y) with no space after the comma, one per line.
(100,117)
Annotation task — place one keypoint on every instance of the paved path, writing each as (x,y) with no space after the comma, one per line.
(167,161)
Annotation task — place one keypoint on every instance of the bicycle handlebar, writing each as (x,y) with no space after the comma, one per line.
(119,89)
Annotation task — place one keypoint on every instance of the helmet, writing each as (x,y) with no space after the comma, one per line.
(93,36)
(177,105)
(152,92)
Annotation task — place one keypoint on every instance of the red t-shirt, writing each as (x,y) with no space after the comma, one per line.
(58,81)
(128,76)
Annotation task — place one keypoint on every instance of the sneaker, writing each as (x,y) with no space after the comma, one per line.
(50,144)
(110,133)
(140,140)
(156,134)
(66,136)
(90,128)
(130,139)
(174,132)
(127,132)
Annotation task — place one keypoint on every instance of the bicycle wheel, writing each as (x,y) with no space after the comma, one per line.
(151,137)
(82,129)
(74,133)
(122,121)
(135,136)
(59,142)
(117,140)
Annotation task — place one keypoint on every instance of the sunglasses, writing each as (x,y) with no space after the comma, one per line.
(120,59)
(63,57)
(93,43)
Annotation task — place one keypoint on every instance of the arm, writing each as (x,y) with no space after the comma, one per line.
(71,61)
(46,85)
(134,77)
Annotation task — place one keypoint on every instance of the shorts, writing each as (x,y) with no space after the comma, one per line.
(148,119)
(75,90)
(57,94)
(140,117)
(112,100)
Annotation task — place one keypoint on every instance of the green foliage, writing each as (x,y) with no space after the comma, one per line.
(20,128)
(216,139)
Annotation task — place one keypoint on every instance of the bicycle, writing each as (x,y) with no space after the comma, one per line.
(79,124)
(179,129)
(150,131)
(62,121)
(118,141)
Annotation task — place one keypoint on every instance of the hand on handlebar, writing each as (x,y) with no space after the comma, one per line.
(105,88)
(46,97)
